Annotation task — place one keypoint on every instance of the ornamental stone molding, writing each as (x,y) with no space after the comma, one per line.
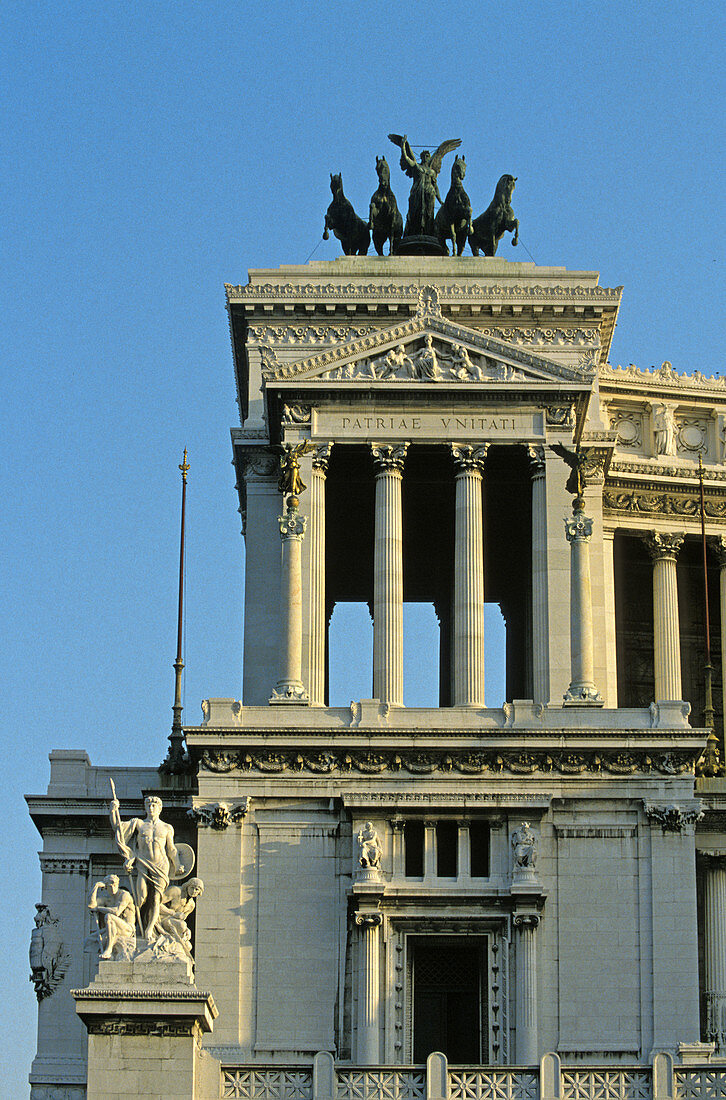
(64,865)
(296,335)
(662,546)
(292,525)
(388,457)
(654,468)
(663,504)
(468,458)
(295,415)
(57,1092)
(456,292)
(560,416)
(221,815)
(480,762)
(158,1029)
(672,818)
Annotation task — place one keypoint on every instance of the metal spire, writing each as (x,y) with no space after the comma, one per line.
(176,758)
(710,762)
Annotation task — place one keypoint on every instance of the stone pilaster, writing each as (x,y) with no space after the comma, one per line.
(582,690)
(388,575)
(540,613)
(369,994)
(715,949)
(318,625)
(526,1005)
(289,687)
(468,647)
(664,549)
(718,545)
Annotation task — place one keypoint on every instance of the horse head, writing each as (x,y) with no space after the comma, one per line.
(505,187)
(336,183)
(458,169)
(384,172)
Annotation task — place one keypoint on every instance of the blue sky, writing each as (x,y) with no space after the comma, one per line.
(154,151)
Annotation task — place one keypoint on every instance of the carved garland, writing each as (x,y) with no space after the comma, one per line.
(615,762)
(666,504)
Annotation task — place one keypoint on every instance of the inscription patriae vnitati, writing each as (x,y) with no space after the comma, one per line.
(371,423)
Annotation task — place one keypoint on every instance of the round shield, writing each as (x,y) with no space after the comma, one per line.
(184,862)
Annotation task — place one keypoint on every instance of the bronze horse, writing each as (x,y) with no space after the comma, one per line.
(498,218)
(351,231)
(453,218)
(385,219)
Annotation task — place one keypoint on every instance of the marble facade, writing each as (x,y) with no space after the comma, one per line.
(590,939)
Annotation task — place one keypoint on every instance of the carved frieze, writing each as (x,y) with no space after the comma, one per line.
(479,762)
(64,865)
(293,415)
(459,291)
(312,335)
(666,504)
(259,462)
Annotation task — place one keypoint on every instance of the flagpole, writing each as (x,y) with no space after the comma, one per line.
(176,759)
(711,761)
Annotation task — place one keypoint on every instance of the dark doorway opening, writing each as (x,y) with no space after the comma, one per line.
(449,998)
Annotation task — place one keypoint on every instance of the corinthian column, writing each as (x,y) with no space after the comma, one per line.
(321,457)
(526,1014)
(388,575)
(290,688)
(468,577)
(369,989)
(664,550)
(582,690)
(715,949)
(540,633)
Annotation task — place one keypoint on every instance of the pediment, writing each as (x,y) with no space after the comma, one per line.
(425,349)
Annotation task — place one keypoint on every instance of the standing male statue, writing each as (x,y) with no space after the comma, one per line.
(148,849)
(425,188)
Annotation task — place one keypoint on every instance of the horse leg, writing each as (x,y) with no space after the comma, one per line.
(515,238)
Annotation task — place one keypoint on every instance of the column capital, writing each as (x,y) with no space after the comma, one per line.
(292,525)
(388,457)
(526,921)
(578,527)
(718,544)
(321,456)
(536,456)
(367,921)
(663,546)
(467,457)
(398,823)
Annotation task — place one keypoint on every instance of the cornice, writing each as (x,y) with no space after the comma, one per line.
(664,377)
(456,292)
(658,471)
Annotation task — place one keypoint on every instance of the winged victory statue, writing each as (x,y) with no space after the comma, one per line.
(425,188)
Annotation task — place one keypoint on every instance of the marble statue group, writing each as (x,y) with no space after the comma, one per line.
(153,913)
(427,231)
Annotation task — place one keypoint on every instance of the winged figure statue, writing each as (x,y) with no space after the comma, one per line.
(425,188)
(576,460)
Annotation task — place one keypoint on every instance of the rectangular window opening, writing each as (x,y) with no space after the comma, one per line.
(413,839)
(447,839)
(479,844)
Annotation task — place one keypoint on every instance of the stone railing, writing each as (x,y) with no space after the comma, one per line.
(438,1081)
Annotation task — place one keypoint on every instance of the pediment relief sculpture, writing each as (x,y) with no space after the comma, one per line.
(427,348)
(428,361)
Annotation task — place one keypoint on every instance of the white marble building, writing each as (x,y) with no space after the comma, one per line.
(534,890)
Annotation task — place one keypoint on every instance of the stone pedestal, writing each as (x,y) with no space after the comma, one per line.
(145,1024)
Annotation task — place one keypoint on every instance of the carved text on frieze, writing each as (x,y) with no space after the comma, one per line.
(371,423)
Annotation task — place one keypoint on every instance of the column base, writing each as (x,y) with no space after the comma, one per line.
(582,695)
(289,692)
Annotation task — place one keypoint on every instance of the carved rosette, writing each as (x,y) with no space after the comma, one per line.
(388,458)
(467,457)
(663,547)
(578,527)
